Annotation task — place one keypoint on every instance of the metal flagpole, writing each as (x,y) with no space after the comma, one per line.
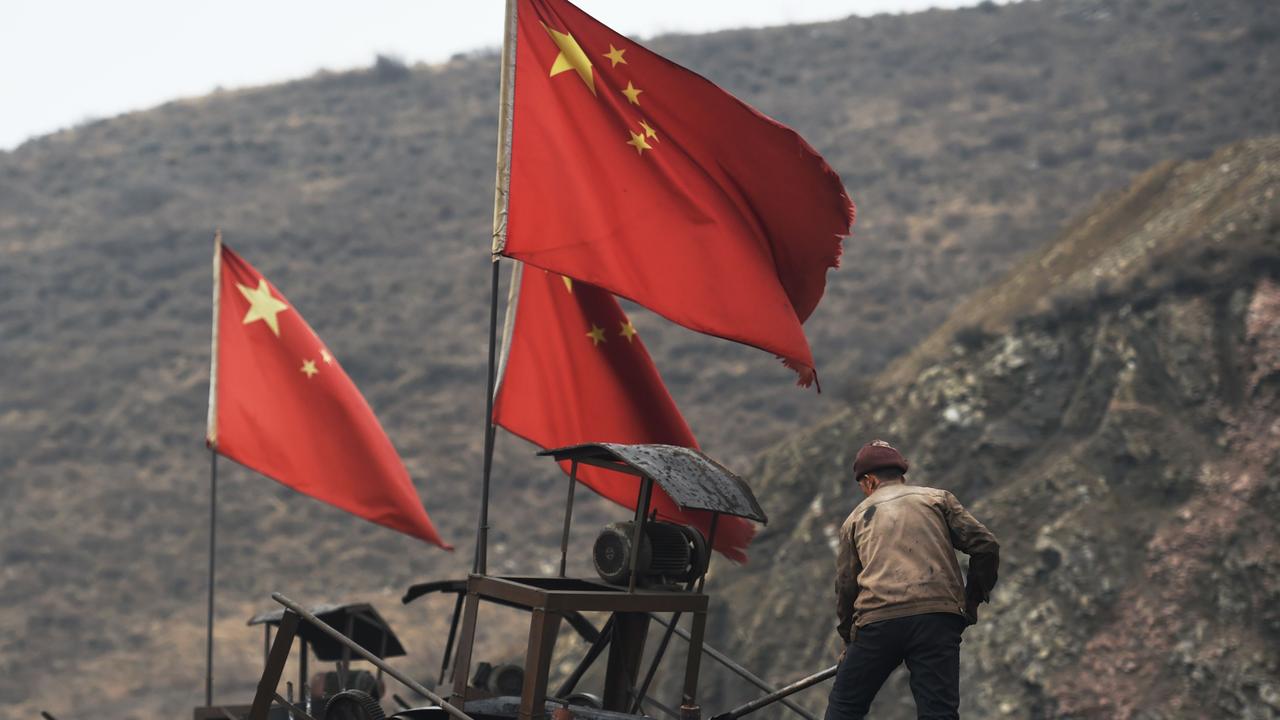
(506,101)
(211,439)
(213,518)
(482,530)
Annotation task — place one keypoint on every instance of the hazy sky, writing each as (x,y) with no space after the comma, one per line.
(65,61)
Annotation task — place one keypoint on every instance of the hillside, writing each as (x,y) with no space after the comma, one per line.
(966,138)
(1109,411)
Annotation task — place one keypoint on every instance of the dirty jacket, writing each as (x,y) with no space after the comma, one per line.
(897,558)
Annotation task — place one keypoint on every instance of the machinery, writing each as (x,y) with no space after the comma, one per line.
(341,687)
(669,554)
(646,567)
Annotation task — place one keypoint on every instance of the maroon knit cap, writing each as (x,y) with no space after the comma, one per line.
(877,455)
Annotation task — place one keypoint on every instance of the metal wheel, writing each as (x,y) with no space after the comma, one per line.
(353,705)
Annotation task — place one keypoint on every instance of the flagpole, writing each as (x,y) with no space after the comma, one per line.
(211,439)
(213,519)
(506,101)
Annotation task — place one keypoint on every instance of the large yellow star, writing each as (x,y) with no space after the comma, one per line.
(615,56)
(648,131)
(309,368)
(596,335)
(638,142)
(571,57)
(628,330)
(262,305)
(324,355)
(632,92)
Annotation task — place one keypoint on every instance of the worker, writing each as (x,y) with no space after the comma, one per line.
(900,593)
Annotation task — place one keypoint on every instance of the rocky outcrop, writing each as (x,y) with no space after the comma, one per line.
(1110,410)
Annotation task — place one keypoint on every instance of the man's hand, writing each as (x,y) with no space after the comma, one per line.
(973,597)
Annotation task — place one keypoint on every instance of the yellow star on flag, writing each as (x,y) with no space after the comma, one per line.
(568,282)
(596,335)
(638,142)
(615,56)
(262,305)
(632,93)
(571,57)
(324,355)
(648,131)
(309,368)
(628,330)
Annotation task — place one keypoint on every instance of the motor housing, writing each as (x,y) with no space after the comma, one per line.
(669,554)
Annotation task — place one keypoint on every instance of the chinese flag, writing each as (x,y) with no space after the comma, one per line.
(282,405)
(575,371)
(643,178)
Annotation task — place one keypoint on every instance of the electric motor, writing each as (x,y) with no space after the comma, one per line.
(669,554)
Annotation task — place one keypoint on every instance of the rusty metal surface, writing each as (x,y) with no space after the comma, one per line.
(693,480)
(579,622)
(563,595)
(368,629)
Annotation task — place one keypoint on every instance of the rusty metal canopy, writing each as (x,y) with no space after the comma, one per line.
(693,480)
(368,630)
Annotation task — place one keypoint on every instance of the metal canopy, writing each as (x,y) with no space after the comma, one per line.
(366,628)
(693,480)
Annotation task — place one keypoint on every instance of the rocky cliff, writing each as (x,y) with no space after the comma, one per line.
(966,137)
(1110,411)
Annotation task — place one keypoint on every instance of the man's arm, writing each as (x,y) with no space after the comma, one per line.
(848,565)
(974,539)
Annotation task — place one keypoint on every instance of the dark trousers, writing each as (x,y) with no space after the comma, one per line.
(928,644)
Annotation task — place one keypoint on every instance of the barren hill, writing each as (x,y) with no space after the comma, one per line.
(1117,432)
(965,137)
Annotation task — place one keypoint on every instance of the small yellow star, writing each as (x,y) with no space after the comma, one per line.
(263,305)
(638,142)
(615,56)
(571,57)
(628,330)
(324,355)
(632,93)
(596,335)
(568,282)
(309,368)
(648,131)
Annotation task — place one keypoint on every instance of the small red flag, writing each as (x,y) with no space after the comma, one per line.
(575,371)
(639,176)
(282,405)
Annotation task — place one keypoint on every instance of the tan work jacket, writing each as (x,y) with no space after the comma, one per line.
(897,558)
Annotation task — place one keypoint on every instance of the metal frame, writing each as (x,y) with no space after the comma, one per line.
(294,614)
(773,697)
(550,598)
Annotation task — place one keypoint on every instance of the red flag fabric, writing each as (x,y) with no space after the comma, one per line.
(576,371)
(639,176)
(283,406)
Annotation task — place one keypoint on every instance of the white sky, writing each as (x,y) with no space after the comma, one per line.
(66,61)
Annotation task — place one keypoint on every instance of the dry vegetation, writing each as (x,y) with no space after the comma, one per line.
(965,137)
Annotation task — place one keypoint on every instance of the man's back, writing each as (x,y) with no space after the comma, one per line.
(899,584)
(903,545)
(897,554)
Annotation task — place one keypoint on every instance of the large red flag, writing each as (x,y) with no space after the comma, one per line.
(282,405)
(639,176)
(575,371)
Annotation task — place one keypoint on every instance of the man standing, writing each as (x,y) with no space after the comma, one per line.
(901,597)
